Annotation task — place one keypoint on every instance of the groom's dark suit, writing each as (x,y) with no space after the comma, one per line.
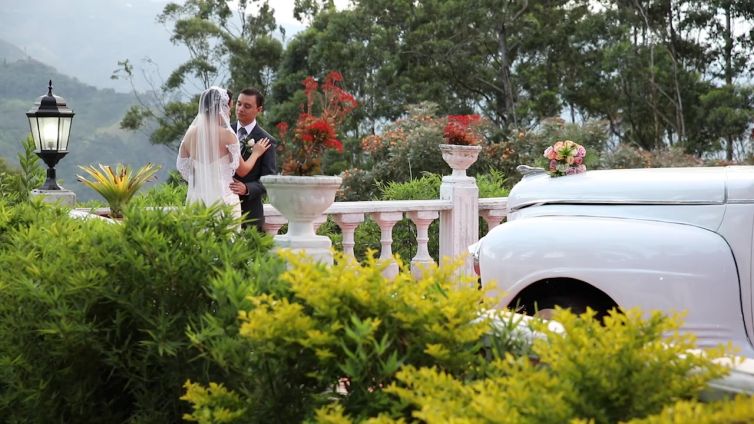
(251,203)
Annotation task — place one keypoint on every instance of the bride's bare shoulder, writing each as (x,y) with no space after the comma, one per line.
(228,136)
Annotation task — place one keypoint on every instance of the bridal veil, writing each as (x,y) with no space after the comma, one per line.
(202,158)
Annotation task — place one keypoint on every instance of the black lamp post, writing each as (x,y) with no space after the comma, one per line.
(50,123)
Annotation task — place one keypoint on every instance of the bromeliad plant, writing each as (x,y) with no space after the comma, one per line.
(117,186)
(316,129)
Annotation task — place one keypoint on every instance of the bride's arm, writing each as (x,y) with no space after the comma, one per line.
(245,166)
(183,161)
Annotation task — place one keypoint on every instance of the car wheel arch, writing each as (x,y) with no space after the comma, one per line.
(565,292)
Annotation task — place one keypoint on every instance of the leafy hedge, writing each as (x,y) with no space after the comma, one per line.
(93,315)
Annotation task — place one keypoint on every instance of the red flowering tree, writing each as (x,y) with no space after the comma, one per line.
(462,130)
(316,129)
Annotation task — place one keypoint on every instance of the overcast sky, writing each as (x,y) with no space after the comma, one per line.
(86,38)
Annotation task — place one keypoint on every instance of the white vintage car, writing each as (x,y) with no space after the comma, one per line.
(673,239)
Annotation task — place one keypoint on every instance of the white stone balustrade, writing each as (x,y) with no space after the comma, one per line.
(349,215)
(493,210)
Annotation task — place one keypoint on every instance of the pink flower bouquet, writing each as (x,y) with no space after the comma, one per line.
(566,158)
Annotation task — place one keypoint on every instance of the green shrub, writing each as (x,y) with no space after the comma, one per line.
(16,185)
(626,156)
(736,411)
(93,315)
(492,184)
(506,151)
(162,195)
(351,326)
(627,368)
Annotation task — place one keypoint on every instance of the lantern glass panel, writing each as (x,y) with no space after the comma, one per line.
(49,132)
(64,132)
(34,125)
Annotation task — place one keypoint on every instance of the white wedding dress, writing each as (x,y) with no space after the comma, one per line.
(204,160)
(193,171)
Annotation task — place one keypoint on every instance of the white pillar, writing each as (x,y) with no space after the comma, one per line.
(422,220)
(459,226)
(348,223)
(273,223)
(386,221)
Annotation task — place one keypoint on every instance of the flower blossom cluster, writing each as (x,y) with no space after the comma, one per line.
(315,133)
(566,158)
(461,130)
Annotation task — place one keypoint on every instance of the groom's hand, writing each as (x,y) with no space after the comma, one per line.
(239,188)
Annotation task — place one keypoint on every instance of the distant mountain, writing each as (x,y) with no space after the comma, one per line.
(10,53)
(87,38)
(95,133)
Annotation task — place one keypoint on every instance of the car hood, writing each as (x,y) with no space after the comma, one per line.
(638,186)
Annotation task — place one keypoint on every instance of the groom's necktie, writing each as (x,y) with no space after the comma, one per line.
(241,133)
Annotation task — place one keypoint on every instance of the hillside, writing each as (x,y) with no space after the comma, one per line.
(95,133)
(10,53)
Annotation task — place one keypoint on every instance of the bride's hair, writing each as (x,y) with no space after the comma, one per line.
(214,100)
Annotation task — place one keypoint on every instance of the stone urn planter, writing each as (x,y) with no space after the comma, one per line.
(459,157)
(301,200)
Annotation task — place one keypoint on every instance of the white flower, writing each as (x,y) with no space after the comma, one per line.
(251,142)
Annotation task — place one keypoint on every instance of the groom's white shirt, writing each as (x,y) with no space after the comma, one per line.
(248,129)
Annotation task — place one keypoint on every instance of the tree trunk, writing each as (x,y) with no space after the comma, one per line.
(506,108)
(728,71)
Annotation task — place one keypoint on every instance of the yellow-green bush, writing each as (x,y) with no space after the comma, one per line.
(348,345)
(351,327)
(630,367)
(739,410)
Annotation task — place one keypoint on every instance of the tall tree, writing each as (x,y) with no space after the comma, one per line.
(731,47)
(229,47)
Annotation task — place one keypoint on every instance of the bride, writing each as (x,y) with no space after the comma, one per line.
(210,153)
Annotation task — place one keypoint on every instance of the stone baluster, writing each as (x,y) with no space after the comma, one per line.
(319,221)
(273,223)
(348,223)
(493,217)
(422,220)
(386,222)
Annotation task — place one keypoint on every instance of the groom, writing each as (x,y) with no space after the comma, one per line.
(250,103)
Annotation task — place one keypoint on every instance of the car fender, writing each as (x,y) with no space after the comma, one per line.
(637,263)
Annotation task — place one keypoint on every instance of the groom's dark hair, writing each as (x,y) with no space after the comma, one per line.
(256,93)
